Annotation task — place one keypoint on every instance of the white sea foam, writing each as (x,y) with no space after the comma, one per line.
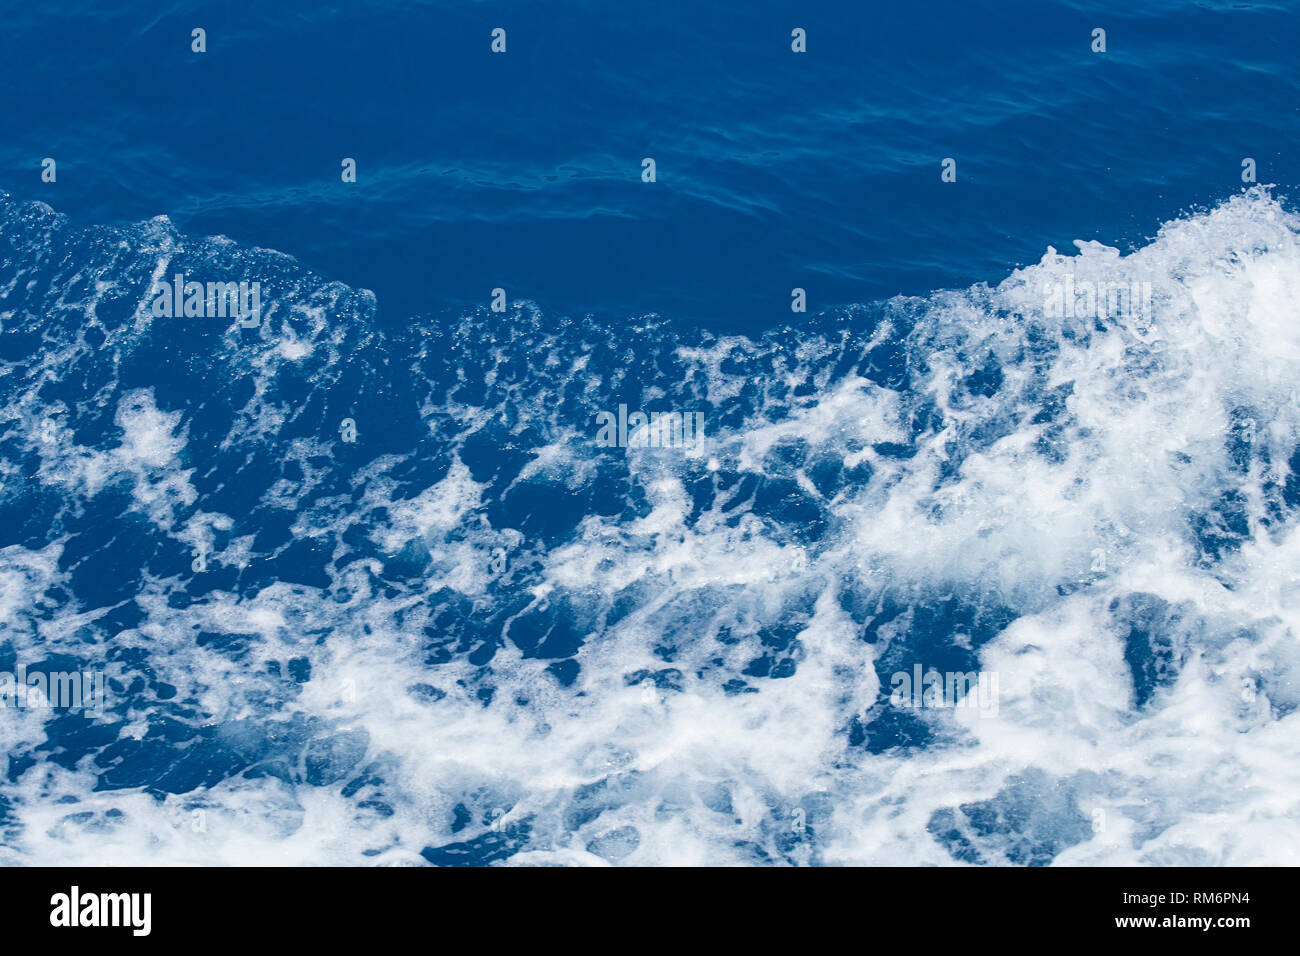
(1094,482)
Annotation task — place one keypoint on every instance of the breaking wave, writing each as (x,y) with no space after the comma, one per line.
(475,634)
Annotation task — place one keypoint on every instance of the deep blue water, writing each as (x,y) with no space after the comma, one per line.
(366,583)
(775,169)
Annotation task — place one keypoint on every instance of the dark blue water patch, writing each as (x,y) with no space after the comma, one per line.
(925,417)
(944,635)
(1154,642)
(236,487)
(753,853)
(426,693)
(1291,492)
(175,756)
(457,624)
(590,800)
(565,672)
(554,631)
(70,737)
(1029,822)
(626,601)
(1283,691)
(615,844)
(885,728)
(483,850)
(771,666)
(1053,404)
(702,487)
(105,540)
(786,455)
(26,519)
(735,686)
(886,365)
(171,757)
(544,511)
(863,602)
(828,474)
(1272,493)
(214,580)
(274,531)
(493,456)
(784,502)
(304,562)
(787,833)
(736,489)
(717,797)
(782,648)
(668,678)
(895,450)
(1053,444)
(18,765)
(1220,529)
(988,432)
(944,632)
(139,675)
(232,646)
(328,759)
(986,380)
(299,670)
(461,817)
(7,816)
(480,655)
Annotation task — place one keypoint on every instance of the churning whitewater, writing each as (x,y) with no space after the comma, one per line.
(369,593)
